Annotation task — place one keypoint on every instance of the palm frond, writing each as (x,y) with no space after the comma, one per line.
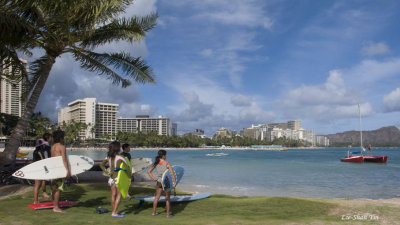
(92,64)
(16,69)
(133,67)
(128,66)
(132,29)
(34,73)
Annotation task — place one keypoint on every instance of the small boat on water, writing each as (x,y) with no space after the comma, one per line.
(361,157)
(365,158)
(353,158)
(217,154)
(375,158)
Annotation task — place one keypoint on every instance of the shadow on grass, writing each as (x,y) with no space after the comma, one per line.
(92,202)
(73,192)
(132,206)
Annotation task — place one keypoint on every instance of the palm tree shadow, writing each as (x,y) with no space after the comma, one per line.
(93,202)
(72,192)
(75,193)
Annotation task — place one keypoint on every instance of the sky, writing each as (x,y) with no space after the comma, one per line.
(234,63)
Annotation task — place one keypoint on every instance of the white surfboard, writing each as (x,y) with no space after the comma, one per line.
(53,168)
(139,164)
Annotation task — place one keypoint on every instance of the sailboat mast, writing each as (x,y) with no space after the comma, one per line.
(361,138)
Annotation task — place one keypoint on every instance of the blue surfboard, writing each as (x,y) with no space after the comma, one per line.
(167,181)
(175,198)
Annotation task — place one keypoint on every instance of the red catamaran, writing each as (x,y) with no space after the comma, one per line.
(375,158)
(360,157)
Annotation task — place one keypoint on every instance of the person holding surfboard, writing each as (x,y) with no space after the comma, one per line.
(39,154)
(115,163)
(57,185)
(161,165)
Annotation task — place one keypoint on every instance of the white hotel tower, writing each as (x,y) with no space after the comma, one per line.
(93,113)
(11,92)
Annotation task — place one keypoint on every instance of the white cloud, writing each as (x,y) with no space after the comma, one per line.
(240,100)
(371,49)
(371,71)
(131,110)
(391,101)
(255,115)
(208,105)
(196,110)
(331,100)
(141,8)
(233,12)
(135,49)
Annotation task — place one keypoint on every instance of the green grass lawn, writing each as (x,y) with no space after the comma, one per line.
(218,209)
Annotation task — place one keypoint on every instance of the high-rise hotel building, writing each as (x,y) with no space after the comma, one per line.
(160,125)
(101,118)
(11,92)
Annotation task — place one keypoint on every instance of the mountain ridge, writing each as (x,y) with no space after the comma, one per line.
(384,136)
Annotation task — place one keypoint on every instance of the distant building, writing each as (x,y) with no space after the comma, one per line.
(11,91)
(198,132)
(282,126)
(252,132)
(106,119)
(290,130)
(101,117)
(294,124)
(143,123)
(174,129)
(223,132)
(321,141)
(64,116)
(309,136)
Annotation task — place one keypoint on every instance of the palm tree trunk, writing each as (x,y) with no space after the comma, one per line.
(7,159)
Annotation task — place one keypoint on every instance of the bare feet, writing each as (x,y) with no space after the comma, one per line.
(46,196)
(58,210)
(36,202)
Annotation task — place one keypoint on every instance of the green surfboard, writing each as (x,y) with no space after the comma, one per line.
(123,179)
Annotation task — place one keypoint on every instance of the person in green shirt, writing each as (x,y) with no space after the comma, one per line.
(114,161)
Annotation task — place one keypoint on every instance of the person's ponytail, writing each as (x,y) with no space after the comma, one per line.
(160,154)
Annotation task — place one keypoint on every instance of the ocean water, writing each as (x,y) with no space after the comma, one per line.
(294,173)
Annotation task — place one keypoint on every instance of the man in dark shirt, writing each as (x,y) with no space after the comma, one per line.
(125,151)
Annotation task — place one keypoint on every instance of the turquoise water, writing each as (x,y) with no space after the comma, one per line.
(295,173)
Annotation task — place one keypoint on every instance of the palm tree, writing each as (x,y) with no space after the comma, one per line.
(74,27)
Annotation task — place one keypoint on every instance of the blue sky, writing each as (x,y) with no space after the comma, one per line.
(232,63)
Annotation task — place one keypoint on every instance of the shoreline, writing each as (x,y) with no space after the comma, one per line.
(91,148)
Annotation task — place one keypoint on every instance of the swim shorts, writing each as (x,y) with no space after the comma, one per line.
(57,184)
(111,182)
